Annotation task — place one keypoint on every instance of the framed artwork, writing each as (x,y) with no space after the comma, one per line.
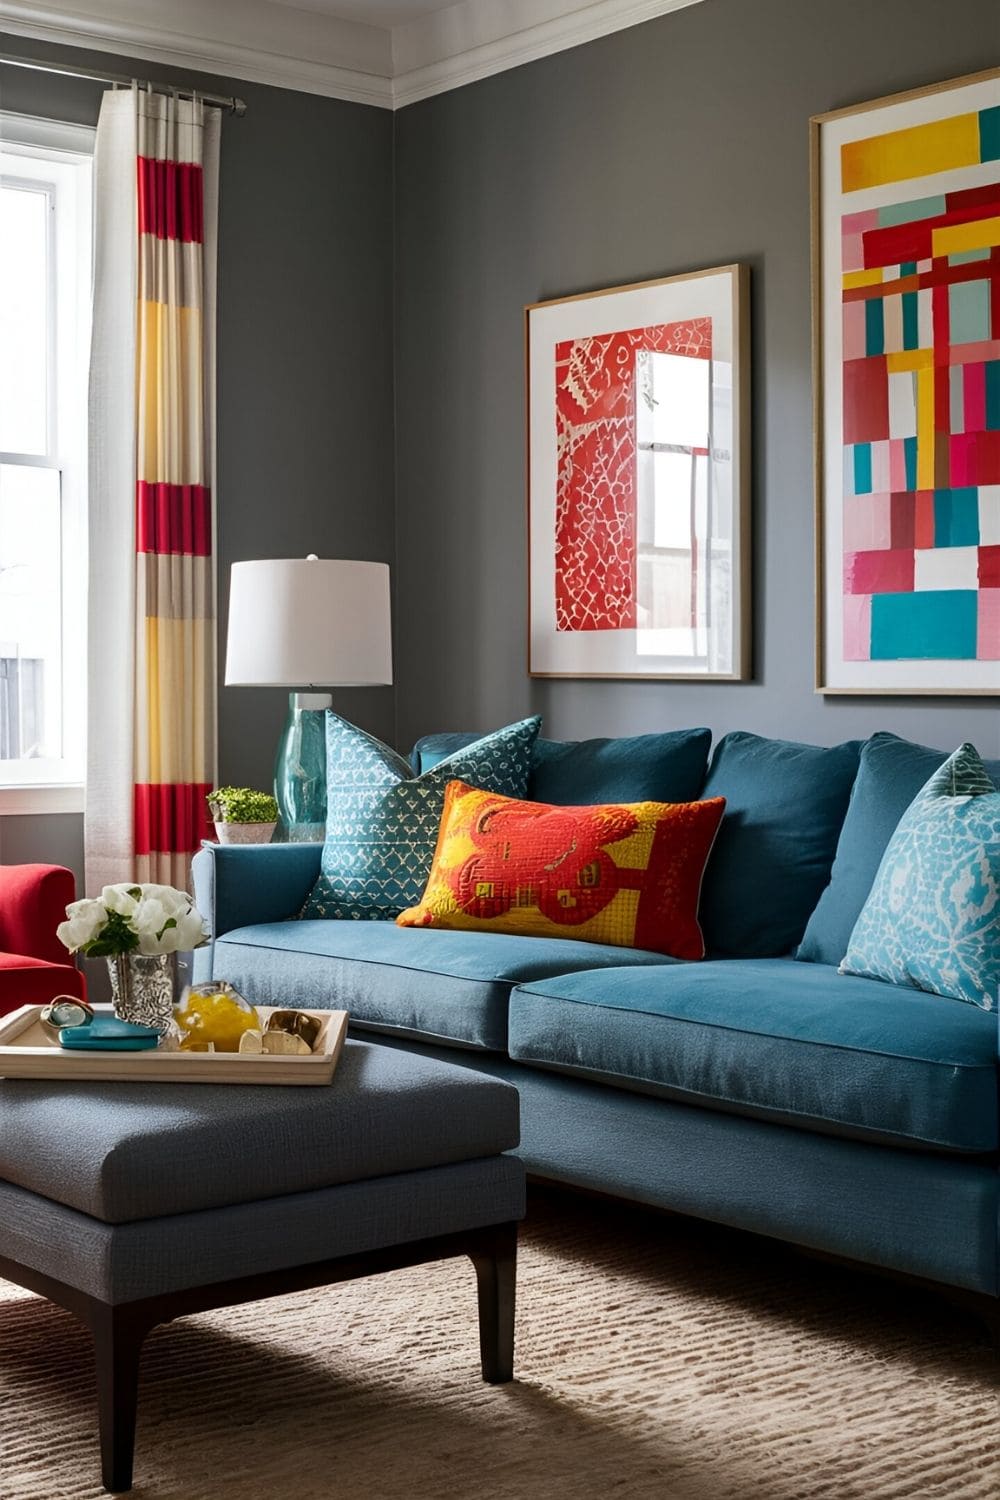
(906,291)
(638,480)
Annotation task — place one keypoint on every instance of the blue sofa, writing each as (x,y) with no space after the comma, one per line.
(758,1088)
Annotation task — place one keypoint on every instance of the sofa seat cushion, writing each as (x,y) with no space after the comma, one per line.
(788,1041)
(126,1151)
(445,986)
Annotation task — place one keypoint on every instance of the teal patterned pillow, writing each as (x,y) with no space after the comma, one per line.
(932,919)
(382,821)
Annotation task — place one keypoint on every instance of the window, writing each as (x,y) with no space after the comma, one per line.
(45,273)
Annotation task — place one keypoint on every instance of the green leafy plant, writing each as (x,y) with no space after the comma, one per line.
(240,804)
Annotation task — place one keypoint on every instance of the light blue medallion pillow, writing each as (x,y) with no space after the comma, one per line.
(932,920)
(382,821)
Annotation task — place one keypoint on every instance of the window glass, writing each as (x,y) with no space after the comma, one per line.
(24,318)
(30,614)
(45,272)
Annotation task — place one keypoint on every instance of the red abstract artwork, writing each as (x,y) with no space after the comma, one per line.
(595,535)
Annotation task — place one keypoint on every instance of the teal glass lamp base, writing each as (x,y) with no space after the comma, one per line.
(300,770)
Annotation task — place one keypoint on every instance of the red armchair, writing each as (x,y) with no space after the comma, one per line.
(34,965)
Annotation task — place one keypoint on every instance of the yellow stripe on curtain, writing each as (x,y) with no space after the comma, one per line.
(175,742)
(170,395)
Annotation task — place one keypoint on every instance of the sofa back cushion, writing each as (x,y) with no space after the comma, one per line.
(891,773)
(667,767)
(382,822)
(785,805)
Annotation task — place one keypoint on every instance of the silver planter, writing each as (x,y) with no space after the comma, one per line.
(142,988)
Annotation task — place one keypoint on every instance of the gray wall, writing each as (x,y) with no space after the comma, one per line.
(673,145)
(304,357)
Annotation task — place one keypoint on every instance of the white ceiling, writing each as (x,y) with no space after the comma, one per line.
(383,52)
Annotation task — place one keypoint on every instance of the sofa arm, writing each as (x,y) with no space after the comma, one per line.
(33,901)
(239,885)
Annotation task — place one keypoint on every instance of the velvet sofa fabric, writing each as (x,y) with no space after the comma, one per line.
(121,1152)
(798,1043)
(890,774)
(668,767)
(449,985)
(785,805)
(34,965)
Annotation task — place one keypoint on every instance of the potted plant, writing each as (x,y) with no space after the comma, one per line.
(243,816)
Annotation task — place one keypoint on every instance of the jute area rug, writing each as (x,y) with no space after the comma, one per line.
(656,1358)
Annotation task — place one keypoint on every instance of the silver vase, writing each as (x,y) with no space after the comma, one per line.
(142,988)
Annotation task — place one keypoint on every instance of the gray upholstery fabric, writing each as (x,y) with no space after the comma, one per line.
(121,1152)
(410,981)
(124,1262)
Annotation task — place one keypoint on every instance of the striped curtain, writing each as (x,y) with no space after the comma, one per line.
(151,648)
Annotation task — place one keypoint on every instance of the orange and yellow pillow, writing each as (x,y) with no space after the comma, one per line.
(628,874)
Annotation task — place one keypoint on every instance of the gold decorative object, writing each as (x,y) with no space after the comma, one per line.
(296,1023)
(281,1044)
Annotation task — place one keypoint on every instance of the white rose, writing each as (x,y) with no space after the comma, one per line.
(84,920)
(147,921)
(173,901)
(190,931)
(119,898)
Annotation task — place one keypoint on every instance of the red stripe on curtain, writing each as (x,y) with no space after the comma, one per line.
(171,199)
(171,819)
(173,518)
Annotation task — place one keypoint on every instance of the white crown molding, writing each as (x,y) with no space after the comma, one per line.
(286,46)
(290,49)
(469,41)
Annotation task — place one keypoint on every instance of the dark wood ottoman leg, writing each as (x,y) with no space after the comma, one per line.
(118,1338)
(495,1260)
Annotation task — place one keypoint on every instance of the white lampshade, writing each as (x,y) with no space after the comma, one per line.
(309,622)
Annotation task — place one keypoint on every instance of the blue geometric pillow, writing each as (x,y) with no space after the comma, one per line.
(932,920)
(382,821)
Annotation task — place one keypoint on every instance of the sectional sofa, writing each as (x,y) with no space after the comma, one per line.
(759,1087)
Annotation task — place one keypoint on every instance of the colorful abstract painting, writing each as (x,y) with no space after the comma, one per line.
(637,475)
(910,480)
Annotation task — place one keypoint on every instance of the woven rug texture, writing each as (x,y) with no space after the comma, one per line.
(657,1359)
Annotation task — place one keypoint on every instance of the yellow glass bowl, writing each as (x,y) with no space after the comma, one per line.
(216,1014)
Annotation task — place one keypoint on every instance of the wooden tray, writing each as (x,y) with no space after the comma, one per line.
(27,1051)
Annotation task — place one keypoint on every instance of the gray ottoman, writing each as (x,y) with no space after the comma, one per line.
(131,1204)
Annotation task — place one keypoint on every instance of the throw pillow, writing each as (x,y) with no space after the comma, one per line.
(382,822)
(785,804)
(932,920)
(668,767)
(628,874)
(891,773)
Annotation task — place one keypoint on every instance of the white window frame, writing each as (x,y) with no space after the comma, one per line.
(51,149)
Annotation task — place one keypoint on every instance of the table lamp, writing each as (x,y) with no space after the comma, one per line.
(307,623)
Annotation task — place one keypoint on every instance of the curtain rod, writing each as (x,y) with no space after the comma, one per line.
(227,102)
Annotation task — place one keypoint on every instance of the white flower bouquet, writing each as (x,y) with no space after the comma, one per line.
(148,919)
